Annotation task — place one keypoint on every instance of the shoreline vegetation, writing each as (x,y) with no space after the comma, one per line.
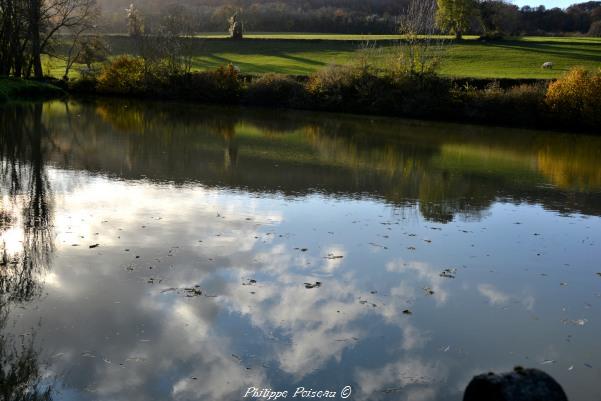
(570,103)
(22,89)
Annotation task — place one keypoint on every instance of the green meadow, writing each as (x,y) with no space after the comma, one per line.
(302,54)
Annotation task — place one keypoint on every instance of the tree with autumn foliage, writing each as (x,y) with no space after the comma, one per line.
(455,16)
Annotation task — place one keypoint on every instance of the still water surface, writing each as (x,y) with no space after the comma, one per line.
(160,252)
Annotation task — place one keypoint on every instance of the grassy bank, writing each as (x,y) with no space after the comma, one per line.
(303,54)
(13,89)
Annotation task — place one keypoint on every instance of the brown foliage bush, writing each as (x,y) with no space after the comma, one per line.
(125,74)
(577,96)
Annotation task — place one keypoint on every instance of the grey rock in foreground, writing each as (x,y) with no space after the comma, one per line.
(519,385)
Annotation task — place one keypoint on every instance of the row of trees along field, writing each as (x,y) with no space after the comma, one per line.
(356,16)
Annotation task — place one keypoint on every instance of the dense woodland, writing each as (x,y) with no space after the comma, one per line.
(351,16)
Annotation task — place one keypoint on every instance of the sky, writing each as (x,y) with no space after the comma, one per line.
(547,3)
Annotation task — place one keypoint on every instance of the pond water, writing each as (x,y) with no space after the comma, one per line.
(155,251)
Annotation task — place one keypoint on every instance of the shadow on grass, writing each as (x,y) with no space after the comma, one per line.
(550,49)
(215,60)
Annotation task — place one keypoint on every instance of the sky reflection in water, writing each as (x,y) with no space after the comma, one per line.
(209,222)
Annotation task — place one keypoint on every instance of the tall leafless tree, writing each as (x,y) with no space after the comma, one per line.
(420,48)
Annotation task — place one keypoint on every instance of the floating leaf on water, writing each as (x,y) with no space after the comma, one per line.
(448,273)
(136,359)
(392,390)
(580,322)
(192,292)
(332,256)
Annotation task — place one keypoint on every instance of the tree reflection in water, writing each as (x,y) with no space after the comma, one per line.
(26,200)
(448,171)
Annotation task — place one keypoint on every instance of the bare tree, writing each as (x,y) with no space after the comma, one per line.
(14,36)
(135,21)
(87,50)
(28,29)
(34,14)
(50,17)
(82,22)
(420,49)
(167,50)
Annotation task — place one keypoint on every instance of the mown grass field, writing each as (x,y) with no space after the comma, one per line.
(302,54)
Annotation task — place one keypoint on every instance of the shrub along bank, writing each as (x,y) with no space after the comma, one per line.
(570,103)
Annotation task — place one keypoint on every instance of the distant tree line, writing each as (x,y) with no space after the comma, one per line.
(356,16)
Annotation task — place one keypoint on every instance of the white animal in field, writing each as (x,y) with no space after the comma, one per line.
(548,65)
